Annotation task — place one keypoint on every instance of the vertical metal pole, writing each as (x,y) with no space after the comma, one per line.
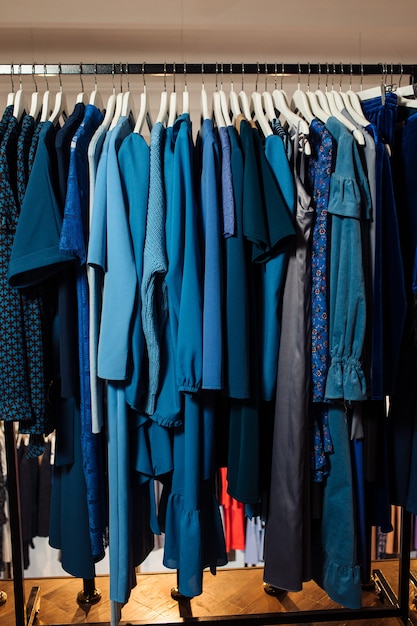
(404,569)
(15,525)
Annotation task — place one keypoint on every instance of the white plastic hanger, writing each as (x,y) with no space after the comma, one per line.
(119,103)
(217,110)
(313,101)
(46,100)
(95,96)
(81,97)
(60,107)
(164,105)
(233,98)
(294,120)
(353,105)
(258,109)
(185,94)
(128,105)
(268,105)
(243,98)
(204,105)
(144,108)
(19,104)
(36,100)
(217,105)
(336,105)
(280,102)
(300,103)
(117,111)
(110,106)
(223,102)
(173,110)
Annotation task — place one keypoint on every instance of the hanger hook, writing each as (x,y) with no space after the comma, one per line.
(95,77)
(318,75)
(80,71)
(11,76)
(243,77)
(221,76)
(275,74)
(33,77)
(45,77)
(361,84)
(350,76)
(174,71)
(143,73)
(217,76)
(60,76)
(231,77)
(308,75)
(202,75)
(165,76)
(401,74)
(121,76)
(341,76)
(266,76)
(112,77)
(333,75)
(282,74)
(128,77)
(327,75)
(185,77)
(258,71)
(392,75)
(299,76)
(19,70)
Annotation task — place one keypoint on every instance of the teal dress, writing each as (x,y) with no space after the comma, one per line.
(193,531)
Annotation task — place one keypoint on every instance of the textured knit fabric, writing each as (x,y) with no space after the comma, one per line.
(153,287)
(227,185)
(23,148)
(25,374)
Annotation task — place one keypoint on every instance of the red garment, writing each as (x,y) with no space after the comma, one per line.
(234,517)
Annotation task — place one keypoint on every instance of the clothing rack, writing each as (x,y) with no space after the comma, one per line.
(396,605)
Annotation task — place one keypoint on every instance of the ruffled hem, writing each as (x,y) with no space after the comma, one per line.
(342,583)
(194,540)
(163,420)
(345,380)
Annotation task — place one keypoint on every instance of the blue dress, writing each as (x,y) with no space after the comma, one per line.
(74,241)
(193,532)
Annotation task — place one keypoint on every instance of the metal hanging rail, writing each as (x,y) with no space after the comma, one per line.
(346,69)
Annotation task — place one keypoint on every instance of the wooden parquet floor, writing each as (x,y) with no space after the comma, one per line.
(230,592)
